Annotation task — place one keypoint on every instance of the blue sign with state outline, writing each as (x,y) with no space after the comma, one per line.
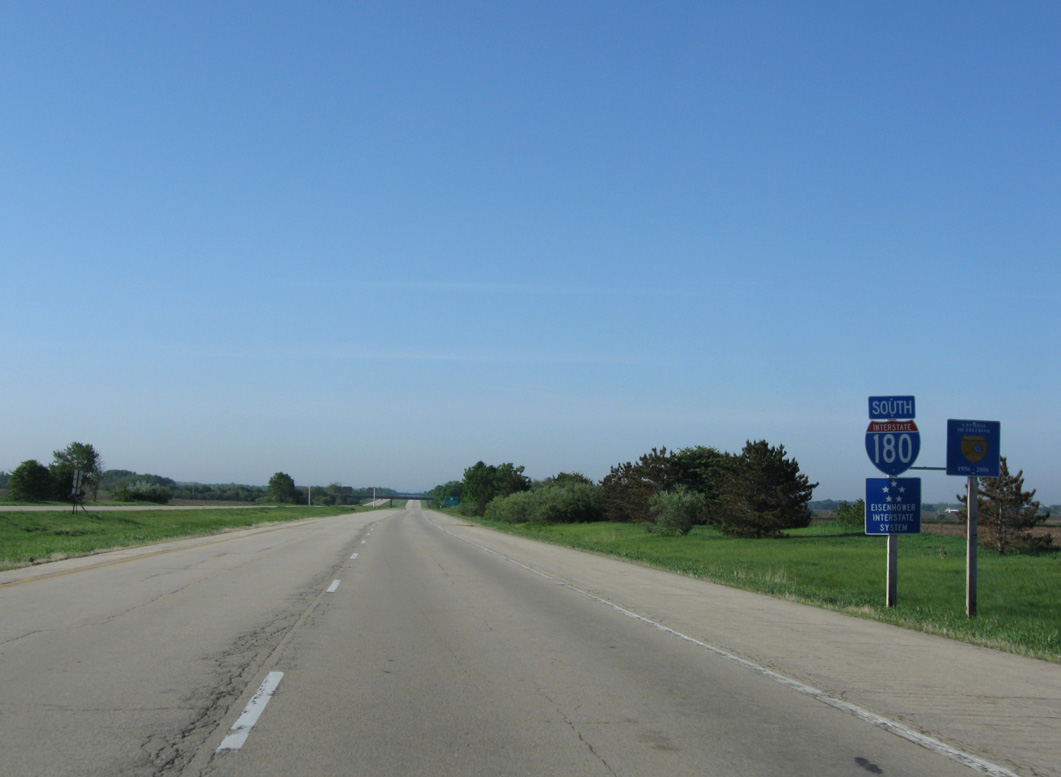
(973,448)
(893,505)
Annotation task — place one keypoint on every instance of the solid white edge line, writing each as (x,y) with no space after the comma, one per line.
(333,587)
(241,729)
(966,759)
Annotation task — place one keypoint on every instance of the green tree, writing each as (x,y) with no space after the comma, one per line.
(851,513)
(699,469)
(627,489)
(31,482)
(1006,513)
(282,489)
(762,493)
(77,456)
(566,479)
(453,488)
(485,482)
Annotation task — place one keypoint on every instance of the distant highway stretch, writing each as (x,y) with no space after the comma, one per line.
(407,642)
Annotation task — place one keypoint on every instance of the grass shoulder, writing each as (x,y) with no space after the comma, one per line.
(840,568)
(36,537)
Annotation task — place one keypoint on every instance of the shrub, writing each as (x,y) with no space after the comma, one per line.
(514,508)
(676,511)
(851,513)
(552,503)
(142,491)
(571,503)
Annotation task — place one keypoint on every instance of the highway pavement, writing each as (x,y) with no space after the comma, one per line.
(408,642)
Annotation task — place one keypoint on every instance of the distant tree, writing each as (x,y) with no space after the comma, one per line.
(851,513)
(31,482)
(439,493)
(282,489)
(1006,513)
(77,456)
(143,491)
(566,479)
(762,493)
(485,482)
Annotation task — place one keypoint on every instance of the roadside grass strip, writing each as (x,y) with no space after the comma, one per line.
(241,729)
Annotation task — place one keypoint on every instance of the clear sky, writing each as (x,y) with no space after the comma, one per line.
(376,242)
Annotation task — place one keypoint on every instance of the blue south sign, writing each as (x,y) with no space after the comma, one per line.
(893,445)
(890,408)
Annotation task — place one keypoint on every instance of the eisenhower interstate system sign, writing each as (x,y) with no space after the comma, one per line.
(893,505)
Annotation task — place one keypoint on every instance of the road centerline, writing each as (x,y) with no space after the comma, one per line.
(241,729)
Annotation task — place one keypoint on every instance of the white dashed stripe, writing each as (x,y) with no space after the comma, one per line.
(241,729)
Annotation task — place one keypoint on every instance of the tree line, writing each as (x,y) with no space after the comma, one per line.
(74,472)
(32,481)
(759,492)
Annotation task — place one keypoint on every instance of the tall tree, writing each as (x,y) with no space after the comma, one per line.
(77,456)
(628,488)
(700,469)
(282,489)
(1006,513)
(485,482)
(762,493)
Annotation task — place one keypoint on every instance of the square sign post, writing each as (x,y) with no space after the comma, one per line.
(893,504)
(973,451)
(893,507)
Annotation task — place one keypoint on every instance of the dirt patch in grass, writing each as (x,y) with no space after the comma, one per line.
(958,530)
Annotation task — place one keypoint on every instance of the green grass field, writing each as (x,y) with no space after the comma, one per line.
(35,537)
(827,565)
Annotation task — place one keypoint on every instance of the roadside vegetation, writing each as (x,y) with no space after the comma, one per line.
(744,520)
(840,568)
(36,537)
(77,473)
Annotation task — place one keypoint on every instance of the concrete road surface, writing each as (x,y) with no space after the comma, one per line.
(406,642)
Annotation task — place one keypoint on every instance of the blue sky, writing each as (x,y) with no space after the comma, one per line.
(375,242)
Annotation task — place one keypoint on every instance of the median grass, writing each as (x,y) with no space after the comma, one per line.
(840,568)
(35,537)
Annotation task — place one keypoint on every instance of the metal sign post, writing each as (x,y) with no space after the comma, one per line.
(973,450)
(893,507)
(972,500)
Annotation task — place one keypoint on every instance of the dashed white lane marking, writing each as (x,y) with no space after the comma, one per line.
(353,557)
(333,587)
(241,729)
(929,743)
